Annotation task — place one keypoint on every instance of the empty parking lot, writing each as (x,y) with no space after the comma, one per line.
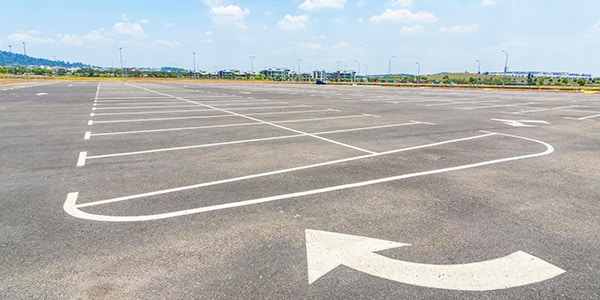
(224,190)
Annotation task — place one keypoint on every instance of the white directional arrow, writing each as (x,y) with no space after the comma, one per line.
(327,250)
(521,123)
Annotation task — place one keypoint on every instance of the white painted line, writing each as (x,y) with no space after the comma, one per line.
(194,146)
(97,91)
(213,116)
(174,129)
(93,108)
(71,207)
(325,251)
(81,159)
(108,99)
(233,125)
(244,141)
(91,122)
(461,102)
(325,118)
(248,116)
(589,117)
(92,114)
(87,135)
(544,109)
(195,110)
(495,106)
(143,107)
(332,162)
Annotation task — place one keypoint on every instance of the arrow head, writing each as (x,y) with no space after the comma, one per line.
(327,250)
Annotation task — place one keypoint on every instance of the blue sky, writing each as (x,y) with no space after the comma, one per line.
(542,35)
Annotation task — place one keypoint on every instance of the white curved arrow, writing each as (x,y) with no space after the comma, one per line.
(327,250)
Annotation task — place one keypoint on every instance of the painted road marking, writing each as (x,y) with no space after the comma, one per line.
(248,140)
(88,135)
(72,208)
(521,123)
(196,110)
(249,117)
(237,124)
(327,250)
(81,159)
(495,106)
(217,116)
(544,109)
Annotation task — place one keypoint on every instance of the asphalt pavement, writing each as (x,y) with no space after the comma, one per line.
(204,190)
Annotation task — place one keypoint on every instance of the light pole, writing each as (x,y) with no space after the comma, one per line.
(418,73)
(505,66)
(390,65)
(366,71)
(338,69)
(358,70)
(194,62)
(299,75)
(14,69)
(26,69)
(121,60)
(252,64)
(478,72)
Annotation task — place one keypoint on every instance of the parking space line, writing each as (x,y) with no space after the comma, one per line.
(143,107)
(544,109)
(589,117)
(227,125)
(495,106)
(194,110)
(246,141)
(71,207)
(212,116)
(248,116)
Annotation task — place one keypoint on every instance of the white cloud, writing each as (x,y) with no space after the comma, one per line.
(402,3)
(293,23)
(404,15)
(30,36)
(460,29)
(412,30)
(68,39)
(310,5)
(229,15)
(361,3)
(488,3)
(131,29)
(96,36)
(127,28)
(596,26)
(165,43)
(342,45)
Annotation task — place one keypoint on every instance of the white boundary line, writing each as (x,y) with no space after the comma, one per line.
(248,116)
(196,110)
(72,208)
(232,125)
(79,163)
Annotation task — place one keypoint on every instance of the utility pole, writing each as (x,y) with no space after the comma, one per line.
(478,72)
(26,69)
(390,66)
(121,59)
(505,66)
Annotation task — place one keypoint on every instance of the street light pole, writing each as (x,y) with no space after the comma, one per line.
(505,66)
(121,60)
(338,70)
(194,61)
(358,70)
(252,64)
(390,65)
(26,69)
(418,73)
(299,75)
(478,72)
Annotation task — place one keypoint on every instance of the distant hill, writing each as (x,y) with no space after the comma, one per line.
(8,58)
